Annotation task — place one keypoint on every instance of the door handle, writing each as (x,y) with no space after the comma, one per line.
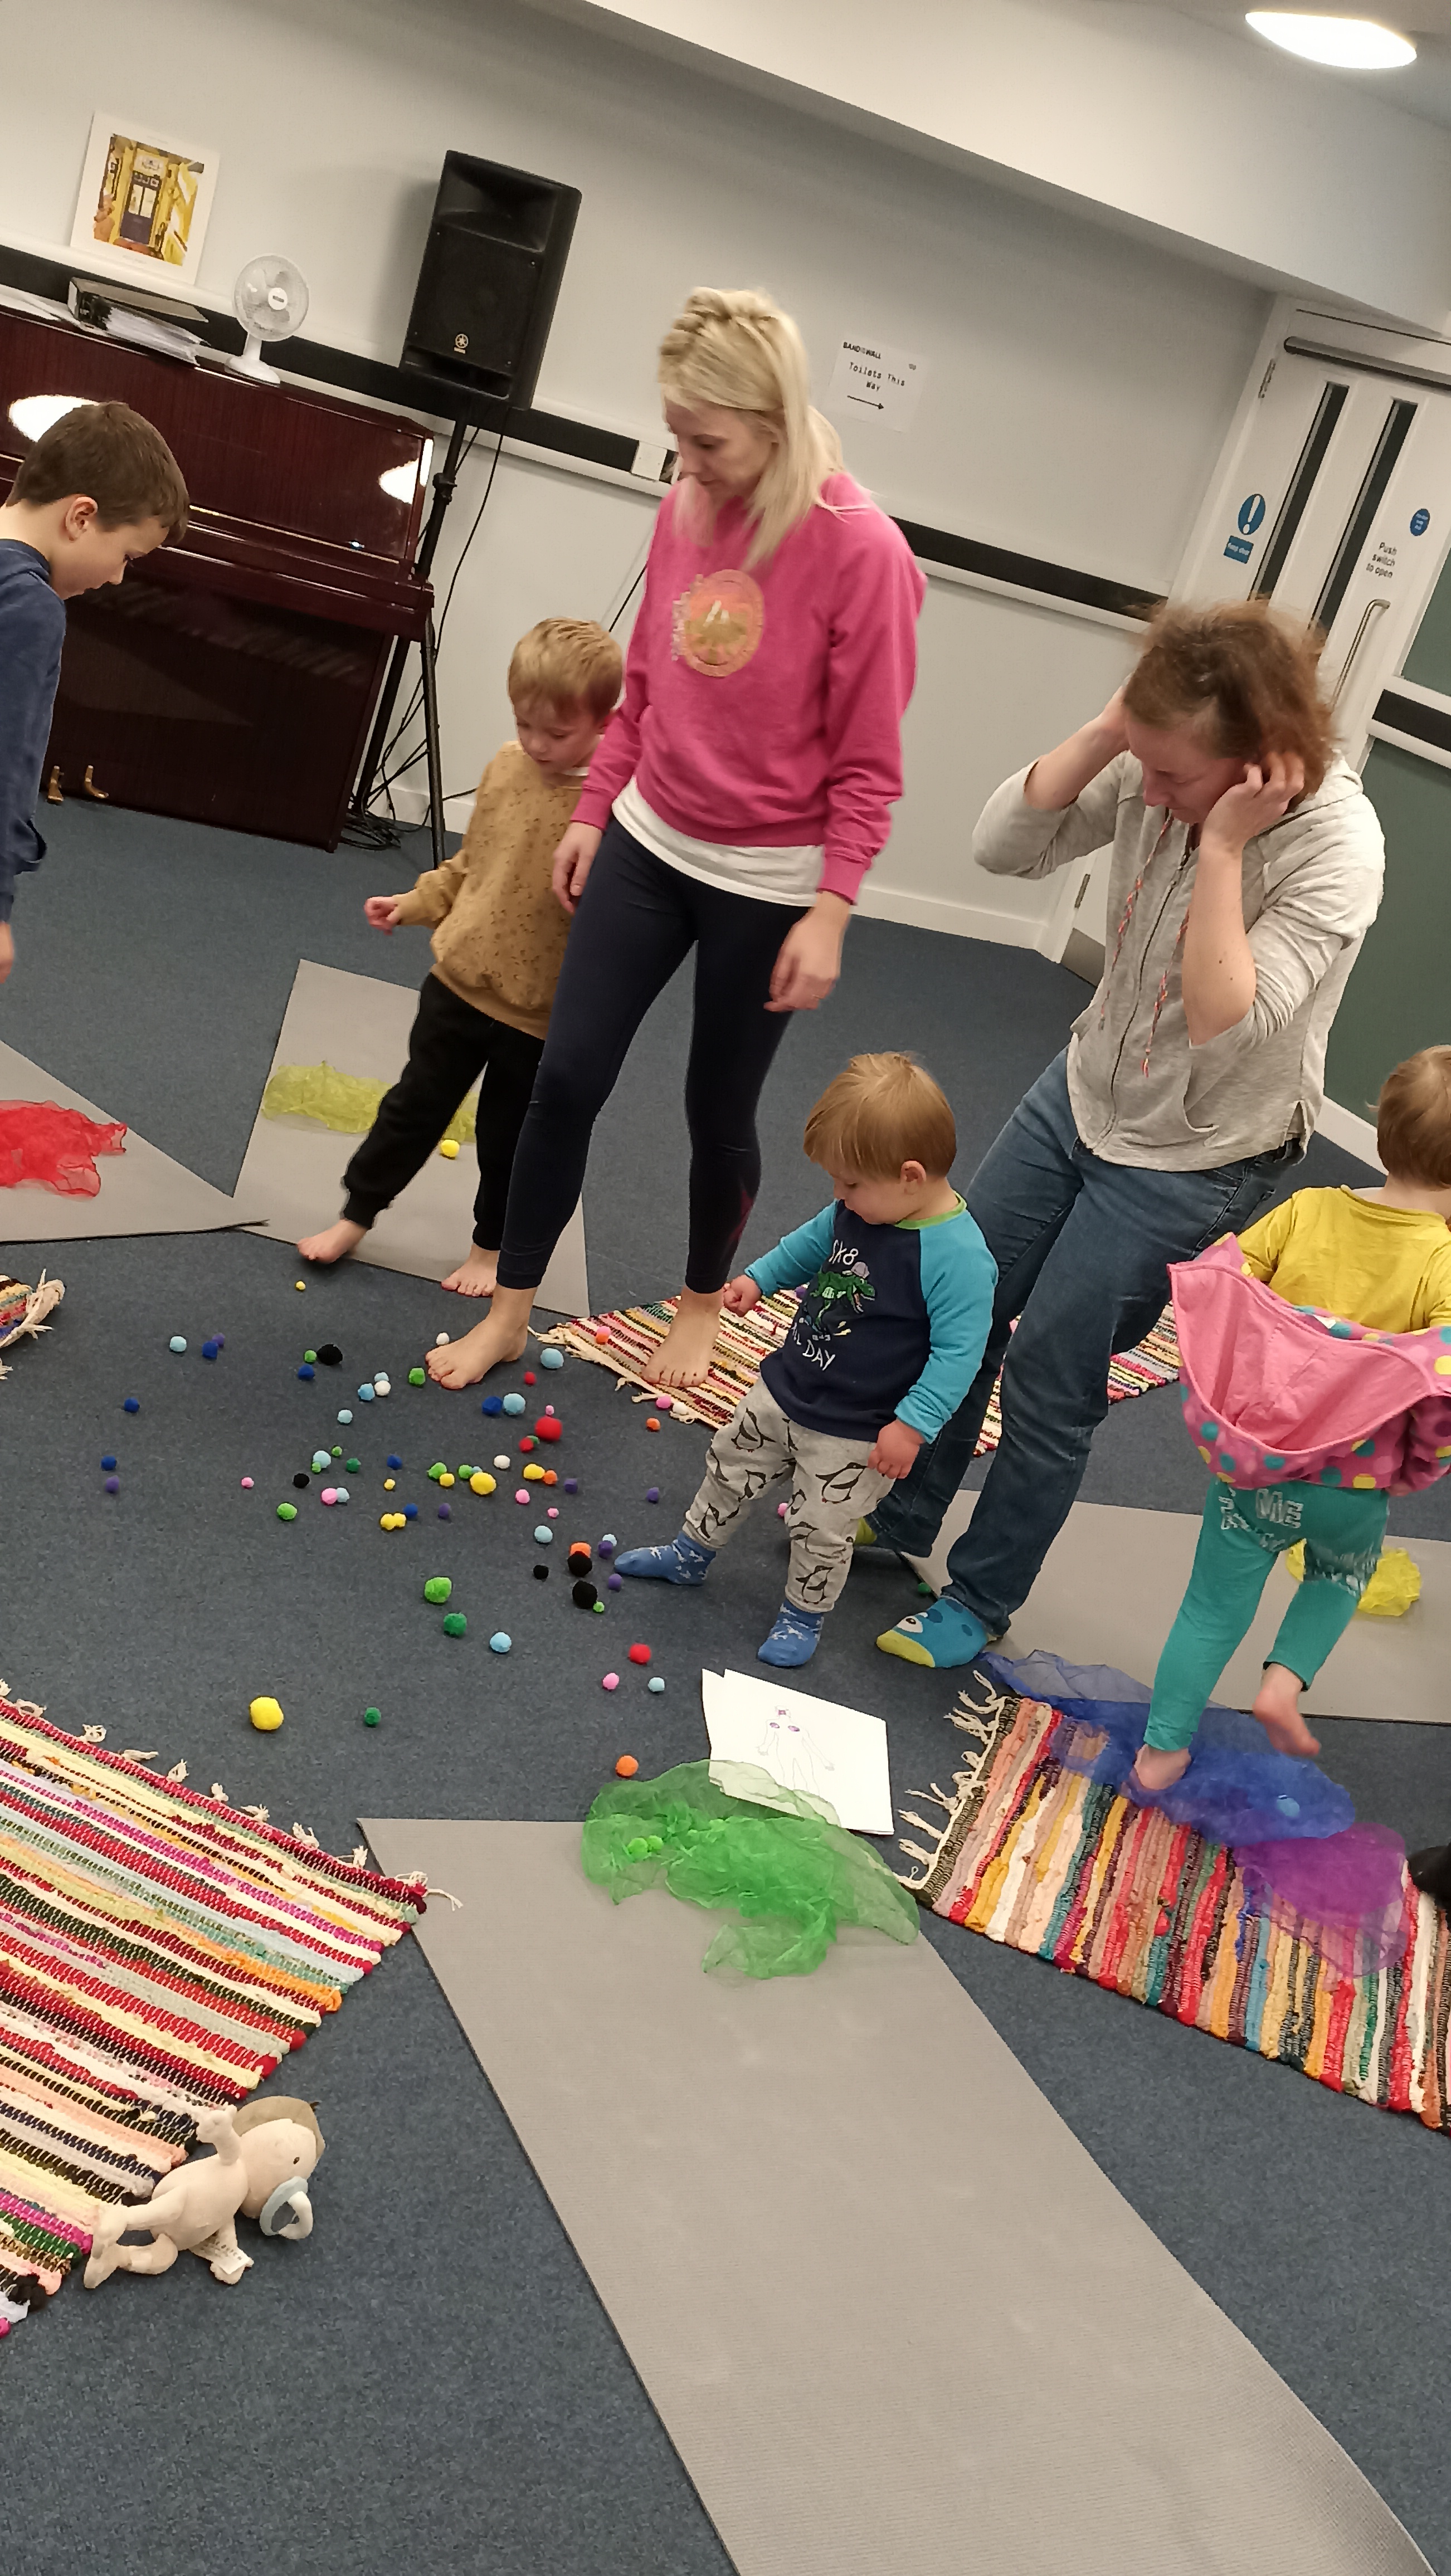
(1376,608)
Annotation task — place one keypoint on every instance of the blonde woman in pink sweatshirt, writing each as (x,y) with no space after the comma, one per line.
(736,801)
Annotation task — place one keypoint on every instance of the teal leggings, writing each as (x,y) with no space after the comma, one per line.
(1243,1532)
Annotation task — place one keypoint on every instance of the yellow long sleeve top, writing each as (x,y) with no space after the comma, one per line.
(1388,1268)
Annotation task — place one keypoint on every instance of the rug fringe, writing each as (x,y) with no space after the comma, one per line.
(983,1719)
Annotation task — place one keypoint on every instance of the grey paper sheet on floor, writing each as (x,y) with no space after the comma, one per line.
(1114,1578)
(142,1190)
(888,2309)
(294,1169)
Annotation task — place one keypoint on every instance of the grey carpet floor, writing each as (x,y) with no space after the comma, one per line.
(431,2376)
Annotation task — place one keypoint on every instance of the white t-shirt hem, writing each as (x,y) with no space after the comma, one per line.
(784,876)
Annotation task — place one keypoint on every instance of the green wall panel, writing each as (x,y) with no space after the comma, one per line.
(1399,994)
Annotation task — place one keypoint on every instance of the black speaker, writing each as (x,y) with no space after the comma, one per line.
(490,279)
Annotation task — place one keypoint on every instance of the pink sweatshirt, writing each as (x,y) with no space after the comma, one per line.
(765,708)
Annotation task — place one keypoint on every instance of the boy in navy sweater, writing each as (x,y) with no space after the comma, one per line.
(898,1293)
(100,488)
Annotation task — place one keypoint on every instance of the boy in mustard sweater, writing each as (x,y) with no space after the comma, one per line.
(497,948)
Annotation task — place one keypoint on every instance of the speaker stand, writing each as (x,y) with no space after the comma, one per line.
(445,484)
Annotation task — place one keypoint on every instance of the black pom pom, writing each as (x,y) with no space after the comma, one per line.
(330,1355)
(584,1596)
(541,1574)
(299,1481)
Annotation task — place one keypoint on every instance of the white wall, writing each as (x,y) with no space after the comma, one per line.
(1190,133)
(1080,382)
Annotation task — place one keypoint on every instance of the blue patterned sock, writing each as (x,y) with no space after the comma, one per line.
(795,1637)
(683,1561)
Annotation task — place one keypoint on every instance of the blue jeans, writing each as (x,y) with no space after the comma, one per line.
(1082,1248)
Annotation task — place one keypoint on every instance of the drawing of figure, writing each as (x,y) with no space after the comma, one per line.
(792,1756)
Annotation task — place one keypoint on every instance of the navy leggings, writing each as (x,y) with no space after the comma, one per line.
(637,922)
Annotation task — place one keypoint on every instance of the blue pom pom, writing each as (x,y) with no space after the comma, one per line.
(305,1371)
(492,1404)
(513,1404)
(551,1359)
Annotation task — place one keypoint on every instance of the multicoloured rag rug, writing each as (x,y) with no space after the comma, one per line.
(628,1340)
(1043,1860)
(160,1952)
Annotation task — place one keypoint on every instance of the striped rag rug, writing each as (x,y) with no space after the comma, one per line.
(1044,1860)
(160,1953)
(628,1340)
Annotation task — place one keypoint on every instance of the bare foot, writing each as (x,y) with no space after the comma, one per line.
(1155,1771)
(477,1274)
(689,1346)
(503,1335)
(334,1243)
(1278,1711)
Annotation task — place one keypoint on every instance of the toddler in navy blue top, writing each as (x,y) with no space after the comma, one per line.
(100,488)
(897,1294)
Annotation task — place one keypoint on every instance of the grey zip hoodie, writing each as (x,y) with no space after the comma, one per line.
(1141,1094)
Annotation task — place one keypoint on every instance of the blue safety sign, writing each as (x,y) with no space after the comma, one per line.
(1239,549)
(1420,522)
(1251,514)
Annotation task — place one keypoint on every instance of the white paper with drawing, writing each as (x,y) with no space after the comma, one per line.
(839,1754)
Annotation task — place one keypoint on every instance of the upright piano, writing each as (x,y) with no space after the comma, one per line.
(232,676)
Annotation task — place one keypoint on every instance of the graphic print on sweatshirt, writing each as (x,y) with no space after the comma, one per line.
(837,1296)
(718,624)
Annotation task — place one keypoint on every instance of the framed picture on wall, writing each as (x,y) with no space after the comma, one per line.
(144,202)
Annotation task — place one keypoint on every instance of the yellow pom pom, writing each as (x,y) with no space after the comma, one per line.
(480,1482)
(388,1484)
(265,1715)
(446,1479)
(449,1150)
(533,1475)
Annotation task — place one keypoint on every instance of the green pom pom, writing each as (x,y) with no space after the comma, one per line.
(418,1377)
(309,1357)
(598,1605)
(437,1588)
(353,1465)
(372,1716)
(287,1511)
(454,1623)
(436,1470)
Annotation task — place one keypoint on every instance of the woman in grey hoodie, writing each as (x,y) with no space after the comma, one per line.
(1247,867)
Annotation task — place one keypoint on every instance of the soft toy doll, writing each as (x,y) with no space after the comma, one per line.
(265,2154)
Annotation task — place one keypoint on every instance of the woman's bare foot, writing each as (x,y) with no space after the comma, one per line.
(1278,1711)
(1155,1771)
(477,1274)
(334,1243)
(689,1346)
(503,1335)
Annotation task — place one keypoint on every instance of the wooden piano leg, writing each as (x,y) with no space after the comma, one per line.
(89,787)
(53,792)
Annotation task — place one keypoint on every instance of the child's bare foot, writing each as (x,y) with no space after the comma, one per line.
(334,1243)
(689,1346)
(477,1274)
(1278,1711)
(1155,1771)
(503,1335)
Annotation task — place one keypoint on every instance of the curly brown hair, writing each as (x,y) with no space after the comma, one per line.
(1413,1120)
(1241,673)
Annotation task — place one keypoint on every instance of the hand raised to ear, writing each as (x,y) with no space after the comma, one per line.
(1264,794)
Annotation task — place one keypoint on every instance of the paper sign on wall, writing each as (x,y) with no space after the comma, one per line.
(874,382)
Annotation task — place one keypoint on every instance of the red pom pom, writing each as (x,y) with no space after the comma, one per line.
(530,1378)
(527,1444)
(549,1427)
(639,1654)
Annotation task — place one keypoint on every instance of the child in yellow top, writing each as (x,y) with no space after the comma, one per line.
(1381,1258)
(497,948)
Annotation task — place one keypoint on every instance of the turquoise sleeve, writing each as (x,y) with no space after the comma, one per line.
(797,1257)
(958,1278)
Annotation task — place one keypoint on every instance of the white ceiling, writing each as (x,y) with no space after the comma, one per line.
(1423,89)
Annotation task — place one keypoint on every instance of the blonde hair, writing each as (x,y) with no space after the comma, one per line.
(882,1112)
(1413,1119)
(566,662)
(1244,675)
(735,349)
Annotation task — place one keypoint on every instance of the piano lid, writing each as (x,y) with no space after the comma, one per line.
(270,462)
